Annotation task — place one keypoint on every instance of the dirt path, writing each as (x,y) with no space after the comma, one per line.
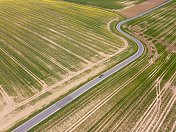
(157,101)
(174,127)
(164,113)
(23,67)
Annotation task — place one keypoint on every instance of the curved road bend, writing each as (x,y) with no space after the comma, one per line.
(66,100)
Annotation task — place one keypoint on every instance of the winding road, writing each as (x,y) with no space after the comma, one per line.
(66,100)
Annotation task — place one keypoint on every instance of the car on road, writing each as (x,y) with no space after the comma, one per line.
(101,75)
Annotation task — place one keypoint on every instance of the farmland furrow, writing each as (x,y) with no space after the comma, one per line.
(164,113)
(173,127)
(52,42)
(104,101)
(24,68)
(51,59)
(46,19)
(95,94)
(112,115)
(158,98)
(153,104)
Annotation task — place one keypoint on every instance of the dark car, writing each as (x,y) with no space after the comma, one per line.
(101,75)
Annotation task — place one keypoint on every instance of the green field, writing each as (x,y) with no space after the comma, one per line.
(119,102)
(41,42)
(158,26)
(140,97)
(107,4)
(48,48)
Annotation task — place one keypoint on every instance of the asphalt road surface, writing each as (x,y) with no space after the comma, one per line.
(58,105)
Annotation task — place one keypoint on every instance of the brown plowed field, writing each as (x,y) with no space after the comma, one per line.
(137,9)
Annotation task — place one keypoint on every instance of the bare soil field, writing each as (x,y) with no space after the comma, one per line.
(139,8)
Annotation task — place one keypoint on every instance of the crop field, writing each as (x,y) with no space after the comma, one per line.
(107,4)
(140,97)
(157,27)
(44,43)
